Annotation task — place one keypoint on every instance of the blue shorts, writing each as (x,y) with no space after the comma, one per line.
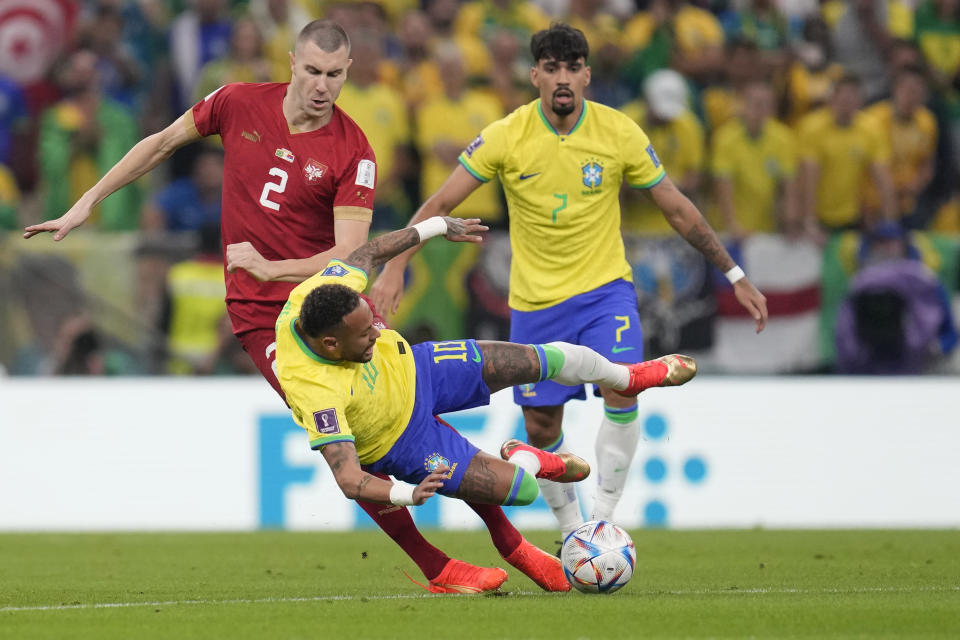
(449,378)
(605,319)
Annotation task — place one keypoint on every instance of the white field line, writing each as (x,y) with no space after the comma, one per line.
(420,596)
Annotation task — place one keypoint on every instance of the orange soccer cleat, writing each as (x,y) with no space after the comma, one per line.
(539,566)
(461,577)
(559,467)
(666,371)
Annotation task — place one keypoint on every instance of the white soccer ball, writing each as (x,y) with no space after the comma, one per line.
(598,557)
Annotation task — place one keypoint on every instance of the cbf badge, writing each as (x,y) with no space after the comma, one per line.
(434,461)
(592,174)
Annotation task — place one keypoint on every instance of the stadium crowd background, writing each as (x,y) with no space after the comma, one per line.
(844,210)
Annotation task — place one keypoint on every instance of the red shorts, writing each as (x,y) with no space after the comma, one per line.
(261,346)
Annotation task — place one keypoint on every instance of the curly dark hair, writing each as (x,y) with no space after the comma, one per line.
(324,308)
(561,42)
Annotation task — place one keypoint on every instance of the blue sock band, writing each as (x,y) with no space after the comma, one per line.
(543,360)
(621,416)
(552,448)
(515,487)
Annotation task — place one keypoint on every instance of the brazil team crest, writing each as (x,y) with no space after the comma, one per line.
(592,174)
(434,461)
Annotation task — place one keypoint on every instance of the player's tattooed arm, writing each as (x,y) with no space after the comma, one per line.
(355,483)
(382,248)
(684,216)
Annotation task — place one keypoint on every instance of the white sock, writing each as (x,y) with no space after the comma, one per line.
(583,364)
(526,460)
(562,499)
(615,447)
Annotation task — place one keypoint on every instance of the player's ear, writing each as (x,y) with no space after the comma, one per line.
(535,76)
(330,343)
(587,69)
(293,60)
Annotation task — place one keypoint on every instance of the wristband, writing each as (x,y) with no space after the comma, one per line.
(431,228)
(735,274)
(401,494)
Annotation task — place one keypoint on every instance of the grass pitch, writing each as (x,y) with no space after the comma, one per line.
(704,584)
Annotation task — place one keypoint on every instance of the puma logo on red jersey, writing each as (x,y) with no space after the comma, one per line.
(314,170)
(252,137)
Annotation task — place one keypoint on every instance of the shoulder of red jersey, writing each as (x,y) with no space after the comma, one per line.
(349,127)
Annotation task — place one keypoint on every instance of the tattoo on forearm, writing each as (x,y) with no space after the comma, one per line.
(338,454)
(363,483)
(479,482)
(703,238)
(506,364)
(382,248)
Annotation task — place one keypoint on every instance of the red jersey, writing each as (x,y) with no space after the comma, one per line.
(280,188)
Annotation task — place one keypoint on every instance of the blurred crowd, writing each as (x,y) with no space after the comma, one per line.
(801,119)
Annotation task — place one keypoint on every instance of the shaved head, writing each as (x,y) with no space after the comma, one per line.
(326,34)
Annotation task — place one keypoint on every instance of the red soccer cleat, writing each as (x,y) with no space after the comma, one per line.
(539,566)
(461,577)
(559,467)
(667,371)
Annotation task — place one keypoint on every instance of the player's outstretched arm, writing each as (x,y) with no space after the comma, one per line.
(687,220)
(348,235)
(384,247)
(388,287)
(357,484)
(144,156)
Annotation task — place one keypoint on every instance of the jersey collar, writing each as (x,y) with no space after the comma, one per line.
(543,118)
(306,349)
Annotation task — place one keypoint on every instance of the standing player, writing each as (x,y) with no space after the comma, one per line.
(299,181)
(562,160)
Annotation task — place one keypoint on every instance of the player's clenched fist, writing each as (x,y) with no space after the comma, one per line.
(242,255)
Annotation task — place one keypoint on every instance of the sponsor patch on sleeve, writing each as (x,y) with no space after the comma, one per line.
(653,156)
(366,173)
(326,421)
(334,270)
(473,146)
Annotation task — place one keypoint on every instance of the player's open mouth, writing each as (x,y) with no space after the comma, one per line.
(562,96)
(319,104)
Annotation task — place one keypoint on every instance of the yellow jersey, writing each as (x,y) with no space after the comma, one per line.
(756,167)
(844,156)
(380,111)
(563,197)
(367,403)
(681,145)
(456,122)
(913,144)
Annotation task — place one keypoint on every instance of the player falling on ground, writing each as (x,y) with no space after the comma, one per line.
(299,182)
(562,160)
(368,399)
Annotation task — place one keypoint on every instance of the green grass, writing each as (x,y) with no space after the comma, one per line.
(703,584)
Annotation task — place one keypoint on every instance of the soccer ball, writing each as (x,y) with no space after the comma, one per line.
(598,557)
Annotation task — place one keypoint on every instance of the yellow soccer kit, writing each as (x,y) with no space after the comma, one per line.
(913,144)
(755,167)
(844,155)
(368,403)
(563,197)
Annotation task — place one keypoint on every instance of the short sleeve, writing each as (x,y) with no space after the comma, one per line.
(325,419)
(357,183)
(483,157)
(336,272)
(643,168)
(209,113)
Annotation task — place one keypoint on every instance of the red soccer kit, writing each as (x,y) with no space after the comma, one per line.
(280,189)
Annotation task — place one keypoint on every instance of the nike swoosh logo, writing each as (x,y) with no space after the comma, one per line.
(621,349)
(476,352)
(524,176)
